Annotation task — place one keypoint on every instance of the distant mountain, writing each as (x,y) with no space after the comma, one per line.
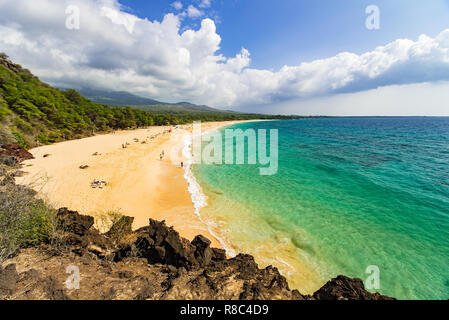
(117,98)
(122,99)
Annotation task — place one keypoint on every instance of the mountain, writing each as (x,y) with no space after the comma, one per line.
(123,98)
(117,98)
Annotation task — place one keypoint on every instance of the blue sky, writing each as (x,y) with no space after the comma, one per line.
(287,32)
(284,56)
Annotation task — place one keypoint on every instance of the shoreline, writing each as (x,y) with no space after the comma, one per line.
(199,198)
(139,184)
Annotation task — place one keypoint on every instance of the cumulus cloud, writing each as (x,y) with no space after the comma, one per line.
(194,12)
(204,4)
(116,50)
(177,5)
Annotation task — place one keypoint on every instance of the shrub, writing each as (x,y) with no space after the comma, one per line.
(24,220)
(4,111)
(19,138)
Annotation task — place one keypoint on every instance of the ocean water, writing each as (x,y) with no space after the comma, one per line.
(349,193)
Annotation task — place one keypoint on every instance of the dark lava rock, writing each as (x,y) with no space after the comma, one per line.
(72,221)
(246,265)
(160,244)
(203,252)
(155,262)
(16,151)
(122,227)
(218,254)
(344,288)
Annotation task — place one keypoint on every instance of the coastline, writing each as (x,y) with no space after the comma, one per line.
(139,184)
(199,198)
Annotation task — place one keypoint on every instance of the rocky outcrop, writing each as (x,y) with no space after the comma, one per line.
(344,288)
(15,152)
(4,61)
(153,262)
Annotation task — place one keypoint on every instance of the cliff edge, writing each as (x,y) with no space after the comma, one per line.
(153,262)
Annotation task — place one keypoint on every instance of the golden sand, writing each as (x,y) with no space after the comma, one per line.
(139,183)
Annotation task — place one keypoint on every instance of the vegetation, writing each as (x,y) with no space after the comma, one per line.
(32,112)
(24,220)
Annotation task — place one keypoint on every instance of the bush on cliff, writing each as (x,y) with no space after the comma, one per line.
(24,220)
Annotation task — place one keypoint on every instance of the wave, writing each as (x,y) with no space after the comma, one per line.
(198,197)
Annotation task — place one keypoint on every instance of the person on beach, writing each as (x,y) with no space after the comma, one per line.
(182,164)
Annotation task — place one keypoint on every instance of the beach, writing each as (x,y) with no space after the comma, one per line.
(138,183)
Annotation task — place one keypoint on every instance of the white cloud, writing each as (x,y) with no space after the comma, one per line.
(204,4)
(118,17)
(119,51)
(193,12)
(419,99)
(177,5)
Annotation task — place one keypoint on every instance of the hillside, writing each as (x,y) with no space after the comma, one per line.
(33,112)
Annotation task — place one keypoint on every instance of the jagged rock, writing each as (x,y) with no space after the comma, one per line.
(160,244)
(344,288)
(72,221)
(74,240)
(203,252)
(121,228)
(153,262)
(16,151)
(100,245)
(10,65)
(246,265)
(218,254)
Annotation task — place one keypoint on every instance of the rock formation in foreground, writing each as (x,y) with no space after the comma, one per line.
(153,262)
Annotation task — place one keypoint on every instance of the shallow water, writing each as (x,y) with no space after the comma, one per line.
(349,193)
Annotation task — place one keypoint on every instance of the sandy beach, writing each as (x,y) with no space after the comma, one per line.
(139,183)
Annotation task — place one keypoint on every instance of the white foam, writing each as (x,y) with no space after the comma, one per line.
(199,199)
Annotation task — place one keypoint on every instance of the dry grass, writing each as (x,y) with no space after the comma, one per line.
(104,221)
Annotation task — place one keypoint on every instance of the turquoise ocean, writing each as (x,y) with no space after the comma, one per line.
(349,193)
